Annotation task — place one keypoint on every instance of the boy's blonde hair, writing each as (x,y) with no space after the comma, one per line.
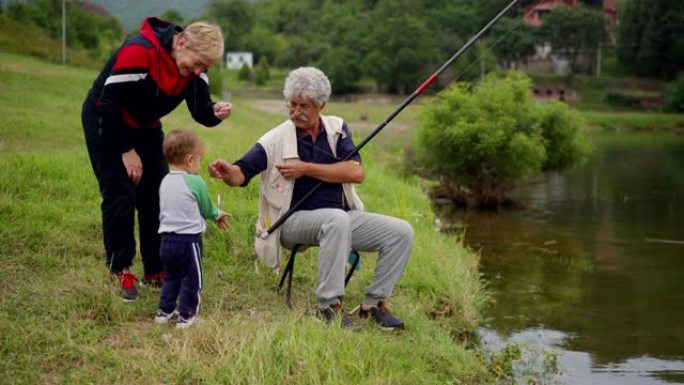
(178,144)
(205,39)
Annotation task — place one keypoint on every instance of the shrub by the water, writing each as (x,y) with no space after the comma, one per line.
(487,137)
(674,96)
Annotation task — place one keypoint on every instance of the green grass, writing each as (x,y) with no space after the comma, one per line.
(61,320)
(653,121)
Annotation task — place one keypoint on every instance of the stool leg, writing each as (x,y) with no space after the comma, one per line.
(289,268)
(357,259)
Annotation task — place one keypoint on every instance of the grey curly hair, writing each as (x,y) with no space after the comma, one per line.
(309,82)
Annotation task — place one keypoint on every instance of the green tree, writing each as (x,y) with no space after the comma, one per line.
(261,73)
(86,30)
(244,73)
(592,3)
(401,47)
(347,26)
(513,42)
(674,96)
(263,42)
(489,136)
(174,16)
(575,33)
(343,68)
(650,37)
(235,17)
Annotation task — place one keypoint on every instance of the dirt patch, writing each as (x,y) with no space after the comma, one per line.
(271,106)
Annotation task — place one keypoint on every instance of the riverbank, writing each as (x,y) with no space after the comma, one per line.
(62,321)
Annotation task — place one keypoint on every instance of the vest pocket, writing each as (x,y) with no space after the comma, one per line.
(275,189)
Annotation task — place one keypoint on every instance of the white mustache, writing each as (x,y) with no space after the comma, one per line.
(299,117)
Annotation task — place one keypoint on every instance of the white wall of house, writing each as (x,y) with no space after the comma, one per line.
(235,60)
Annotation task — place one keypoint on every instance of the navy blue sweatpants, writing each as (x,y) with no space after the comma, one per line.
(182,258)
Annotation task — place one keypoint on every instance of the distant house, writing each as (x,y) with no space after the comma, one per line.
(610,10)
(534,13)
(544,60)
(235,60)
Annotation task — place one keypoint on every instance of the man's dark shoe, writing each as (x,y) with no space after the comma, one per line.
(382,317)
(127,282)
(331,314)
(153,280)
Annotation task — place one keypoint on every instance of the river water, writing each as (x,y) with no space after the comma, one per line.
(594,270)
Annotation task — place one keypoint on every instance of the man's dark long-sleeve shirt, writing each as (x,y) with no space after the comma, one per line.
(329,195)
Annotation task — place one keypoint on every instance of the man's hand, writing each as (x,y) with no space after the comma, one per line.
(133,165)
(222,110)
(218,168)
(293,169)
(230,174)
(223,220)
(341,172)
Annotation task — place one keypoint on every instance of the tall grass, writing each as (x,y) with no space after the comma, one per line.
(61,320)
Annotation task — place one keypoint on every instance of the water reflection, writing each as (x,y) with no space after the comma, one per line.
(597,259)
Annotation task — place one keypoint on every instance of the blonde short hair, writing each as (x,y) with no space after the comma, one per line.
(205,39)
(178,144)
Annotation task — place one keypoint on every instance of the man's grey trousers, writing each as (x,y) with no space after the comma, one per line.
(337,232)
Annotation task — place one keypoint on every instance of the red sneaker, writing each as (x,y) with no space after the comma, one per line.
(153,280)
(127,282)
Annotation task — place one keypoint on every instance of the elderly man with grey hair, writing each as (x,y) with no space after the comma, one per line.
(294,157)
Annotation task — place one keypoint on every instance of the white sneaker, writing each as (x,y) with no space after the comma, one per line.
(186,323)
(162,318)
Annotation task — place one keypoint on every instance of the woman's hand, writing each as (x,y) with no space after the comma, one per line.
(222,110)
(133,165)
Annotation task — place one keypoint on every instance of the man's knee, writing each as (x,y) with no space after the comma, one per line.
(337,221)
(404,232)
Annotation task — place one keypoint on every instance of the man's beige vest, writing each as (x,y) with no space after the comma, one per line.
(275,194)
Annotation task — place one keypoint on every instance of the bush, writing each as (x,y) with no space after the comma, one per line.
(489,136)
(674,96)
(261,73)
(564,141)
(244,73)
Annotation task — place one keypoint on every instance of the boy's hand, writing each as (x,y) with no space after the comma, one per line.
(222,221)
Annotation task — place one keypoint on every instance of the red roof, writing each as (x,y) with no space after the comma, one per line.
(610,5)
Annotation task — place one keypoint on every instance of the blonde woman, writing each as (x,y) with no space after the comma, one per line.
(145,79)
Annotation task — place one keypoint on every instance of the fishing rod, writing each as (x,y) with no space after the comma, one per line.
(392,115)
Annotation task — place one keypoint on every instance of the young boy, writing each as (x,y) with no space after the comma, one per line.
(184,204)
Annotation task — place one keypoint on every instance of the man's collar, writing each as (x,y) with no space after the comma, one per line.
(321,130)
